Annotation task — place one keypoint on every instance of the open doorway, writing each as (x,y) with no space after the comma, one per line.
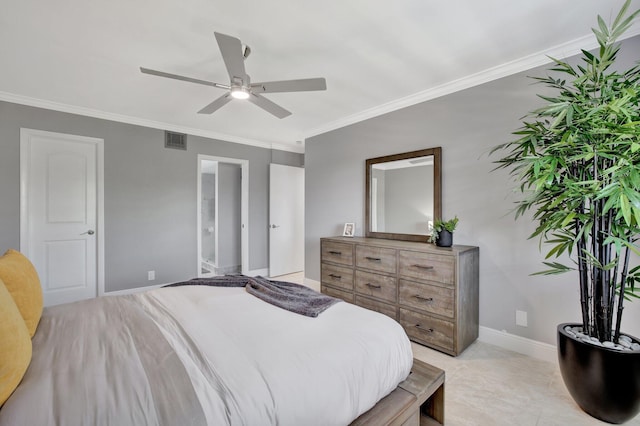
(222,216)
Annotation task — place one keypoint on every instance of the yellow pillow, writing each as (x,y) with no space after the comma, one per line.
(15,345)
(21,279)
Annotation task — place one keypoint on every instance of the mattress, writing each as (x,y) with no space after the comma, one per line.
(206,355)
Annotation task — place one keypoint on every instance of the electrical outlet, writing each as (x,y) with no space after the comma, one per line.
(151,275)
(521,318)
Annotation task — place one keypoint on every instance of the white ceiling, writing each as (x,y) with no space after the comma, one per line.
(376,55)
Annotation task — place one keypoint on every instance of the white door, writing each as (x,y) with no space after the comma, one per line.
(286,219)
(60,178)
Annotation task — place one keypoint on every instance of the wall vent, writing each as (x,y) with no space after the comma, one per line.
(175,140)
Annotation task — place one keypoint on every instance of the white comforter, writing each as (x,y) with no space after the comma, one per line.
(247,362)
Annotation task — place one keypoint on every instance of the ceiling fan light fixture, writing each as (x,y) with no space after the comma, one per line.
(239,93)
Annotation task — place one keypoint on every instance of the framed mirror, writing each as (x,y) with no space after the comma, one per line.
(403,195)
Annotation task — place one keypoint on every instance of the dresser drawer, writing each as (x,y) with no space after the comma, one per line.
(374,305)
(430,298)
(378,286)
(427,266)
(376,259)
(335,252)
(432,292)
(337,276)
(340,294)
(427,329)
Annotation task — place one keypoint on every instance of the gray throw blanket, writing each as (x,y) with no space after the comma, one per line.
(290,296)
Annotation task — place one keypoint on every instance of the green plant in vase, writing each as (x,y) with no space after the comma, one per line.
(442,233)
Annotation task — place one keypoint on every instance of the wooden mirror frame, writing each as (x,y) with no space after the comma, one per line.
(437,192)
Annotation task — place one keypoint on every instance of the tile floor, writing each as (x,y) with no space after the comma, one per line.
(490,386)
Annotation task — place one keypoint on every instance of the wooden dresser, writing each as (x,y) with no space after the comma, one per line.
(431,291)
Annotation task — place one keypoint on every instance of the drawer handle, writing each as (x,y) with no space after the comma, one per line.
(426,330)
(334,276)
(373,259)
(337,253)
(423,266)
(373,285)
(424,299)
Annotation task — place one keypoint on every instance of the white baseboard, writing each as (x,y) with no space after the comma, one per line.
(312,283)
(522,345)
(254,273)
(133,290)
(264,272)
(502,339)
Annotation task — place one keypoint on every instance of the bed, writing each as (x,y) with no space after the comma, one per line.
(196,355)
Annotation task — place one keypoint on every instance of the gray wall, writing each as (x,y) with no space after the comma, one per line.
(466,124)
(287,158)
(150,193)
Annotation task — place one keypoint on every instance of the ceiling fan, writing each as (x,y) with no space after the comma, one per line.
(240,86)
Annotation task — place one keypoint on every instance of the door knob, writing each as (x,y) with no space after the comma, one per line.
(275,226)
(90,232)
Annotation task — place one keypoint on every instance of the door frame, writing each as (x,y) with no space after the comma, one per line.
(25,142)
(244,210)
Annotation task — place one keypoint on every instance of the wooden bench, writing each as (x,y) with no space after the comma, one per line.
(419,400)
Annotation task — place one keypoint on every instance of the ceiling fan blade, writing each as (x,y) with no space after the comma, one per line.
(216,105)
(231,49)
(182,78)
(268,106)
(303,85)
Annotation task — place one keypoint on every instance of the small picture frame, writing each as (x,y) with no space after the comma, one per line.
(349,229)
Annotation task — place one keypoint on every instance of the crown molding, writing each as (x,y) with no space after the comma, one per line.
(528,62)
(88,112)
(563,50)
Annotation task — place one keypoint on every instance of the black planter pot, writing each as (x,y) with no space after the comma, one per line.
(445,239)
(604,382)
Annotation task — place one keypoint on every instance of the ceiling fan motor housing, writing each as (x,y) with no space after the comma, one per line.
(241,88)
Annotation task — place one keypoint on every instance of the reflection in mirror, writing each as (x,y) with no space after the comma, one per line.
(396,208)
(403,195)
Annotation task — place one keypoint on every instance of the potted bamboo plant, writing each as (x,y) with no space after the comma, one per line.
(577,163)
